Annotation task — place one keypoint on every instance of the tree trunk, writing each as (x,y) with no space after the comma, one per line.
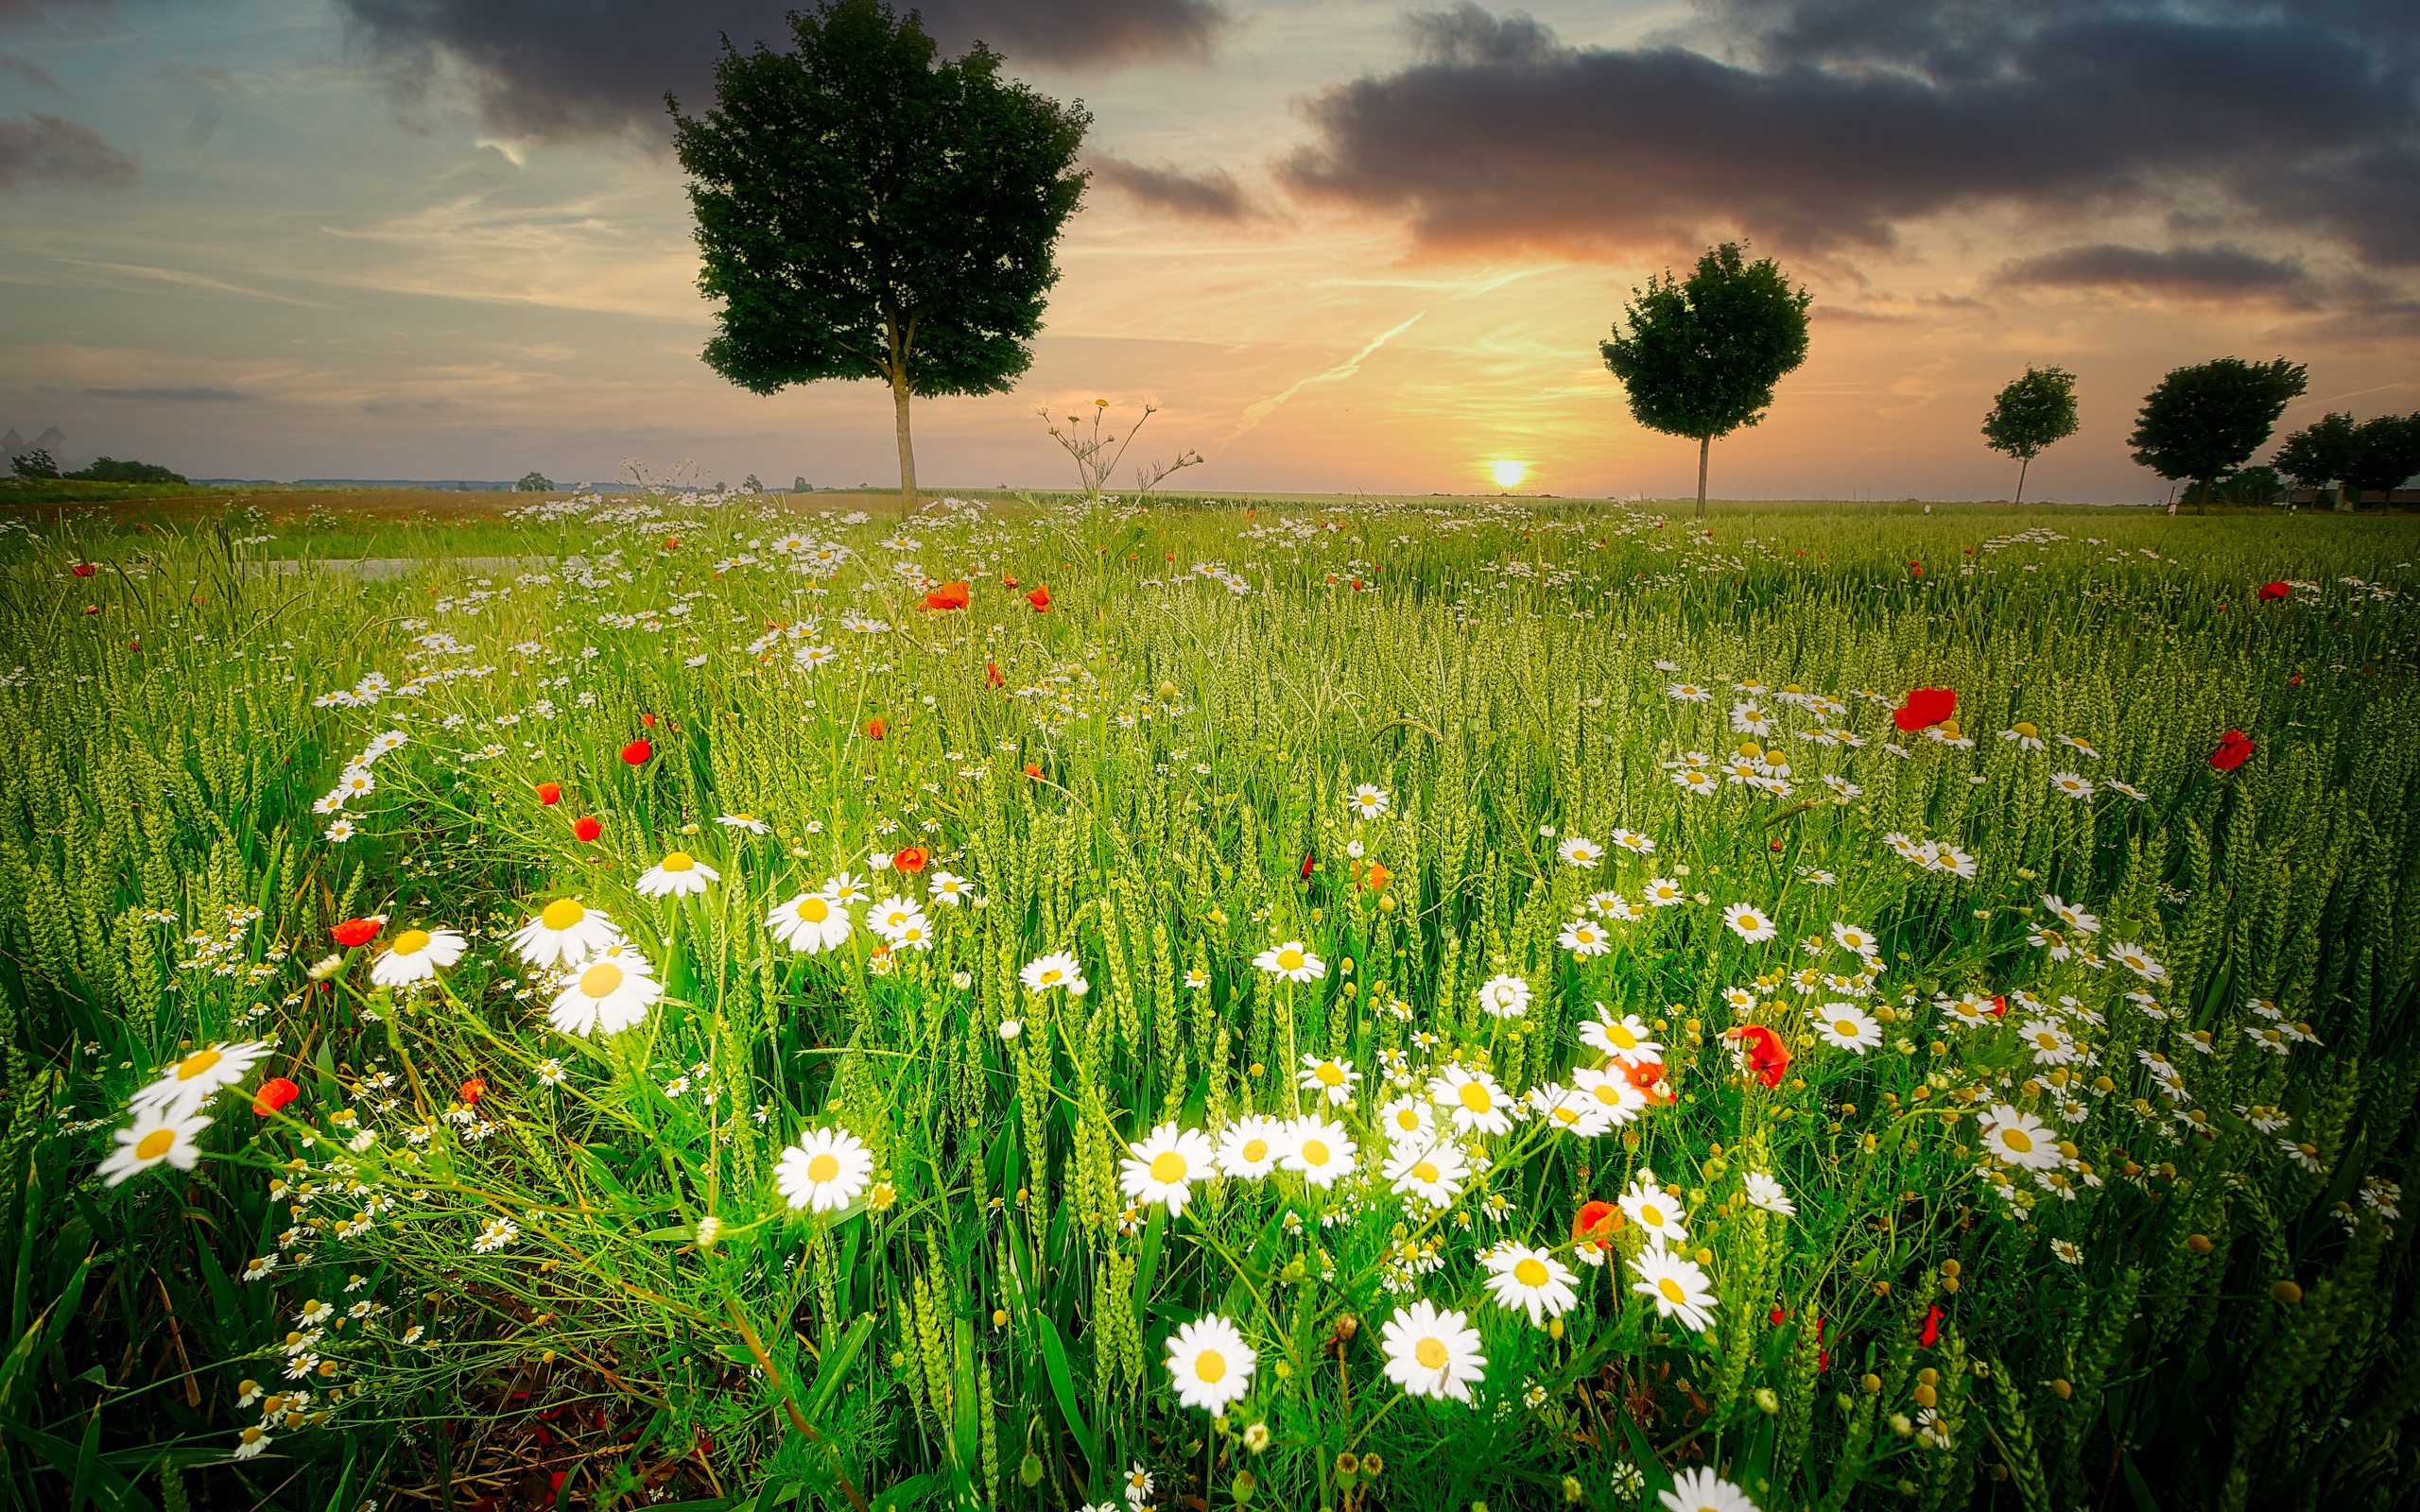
(2347,499)
(907,446)
(1703,442)
(2022,463)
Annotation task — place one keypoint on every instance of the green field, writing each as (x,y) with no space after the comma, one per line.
(1551,1032)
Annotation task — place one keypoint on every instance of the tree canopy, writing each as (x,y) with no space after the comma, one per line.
(2386,451)
(2030,415)
(2321,453)
(868,210)
(1699,357)
(2203,421)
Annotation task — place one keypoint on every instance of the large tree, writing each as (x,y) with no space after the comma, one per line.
(2031,414)
(868,210)
(2320,454)
(1699,357)
(2203,421)
(2386,451)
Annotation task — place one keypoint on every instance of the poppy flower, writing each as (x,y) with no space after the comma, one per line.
(1999,1006)
(1032,772)
(992,677)
(1915,569)
(274,1093)
(1766,1055)
(355,932)
(472,1090)
(2234,749)
(647,721)
(1932,1335)
(638,752)
(1040,598)
(1310,860)
(1593,1225)
(947,596)
(550,794)
(1925,708)
(877,728)
(911,859)
(1008,582)
(1376,877)
(672,543)
(83,569)
(587,826)
(1646,1076)
(2271,592)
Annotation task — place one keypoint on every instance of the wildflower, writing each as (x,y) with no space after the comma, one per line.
(1250,1148)
(749,822)
(499,1233)
(274,1093)
(1472,1100)
(679,874)
(824,1170)
(2234,749)
(1749,923)
(954,596)
(156,1135)
(1767,1193)
(2133,958)
(812,921)
(1058,968)
(1329,1077)
(1925,708)
(185,1086)
(256,1269)
(1701,1490)
(2028,736)
(1431,1170)
(1584,939)
(877,728)
(1291,961)
(1579,850)
(910,859)
(1626,1038)
(1504,997)
(610,996)
(1614,1099)
(356,932)
(638,752)
(1646,1205)
(2067,1252)
(1854,938)
(1011,1028)
(1663,892)
(2074,784)
(587,828)
(565,933)
(549,1072)
(550,794)
(1039,598)
(1532,1281)
(251,1442)
(1676,1285)
(2019,1139)
(1321,1152)
(1367,802)
(2069,915)
(341,830)
(2302,1152)
(1164,1165)
(894,919)
(2051,1044)
(1845,1026)
(2271,592)
(950,890)
(1431,1353)
(1408,1120)
(1761,1052)
(1209,1363)
(1688,692)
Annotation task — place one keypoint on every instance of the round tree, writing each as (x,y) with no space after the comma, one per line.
(867,209)
(2203,421)
(1699,357)
(2320,454)
(2386,451)
(2032,413)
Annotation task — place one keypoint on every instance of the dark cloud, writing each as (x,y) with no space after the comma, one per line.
(2199,272)
(175,396)
(1830,124)
(1212,196)
(558,68)
(52,150)
(27,69)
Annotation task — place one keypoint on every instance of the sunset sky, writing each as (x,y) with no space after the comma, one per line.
(1344,245)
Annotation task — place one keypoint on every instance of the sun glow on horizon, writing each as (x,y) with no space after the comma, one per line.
(1508,473)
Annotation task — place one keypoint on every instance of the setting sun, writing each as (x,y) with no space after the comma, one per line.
(1508,475)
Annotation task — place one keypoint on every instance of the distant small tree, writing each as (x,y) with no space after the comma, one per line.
(867,212)
(2320,454)
(534,483)
(798,484)
(34,464)
(110,470)
(2203,421)
(2386,451)
(2030,415)
(1700,357)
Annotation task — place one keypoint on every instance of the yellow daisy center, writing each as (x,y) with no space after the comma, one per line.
(1210,1365)
(410,942)
(1845,1028)
(1330,1074)
(679,861)
(2027,729)
(1425,1171)
(1621,1036)
(1169,1167)
(1529,1272)
(197,1063)
(1289,960)
(822,1168)
(1651,1215)
(600,981)
(1255,1150)
(1315,1152)
(155,1143)
(561,914)
(2017,1140)
(814,910)
(1474,1096)
(1671,1290)
(1430,1353)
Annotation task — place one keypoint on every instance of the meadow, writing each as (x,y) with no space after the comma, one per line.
(1341,1005)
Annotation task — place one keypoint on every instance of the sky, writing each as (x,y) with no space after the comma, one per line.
(1341,246)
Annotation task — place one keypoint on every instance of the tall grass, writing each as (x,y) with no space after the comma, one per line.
(560,1270)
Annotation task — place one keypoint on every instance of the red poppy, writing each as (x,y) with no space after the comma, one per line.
(1999,1006)
(672,543)
(1595,1224)
(92,608)
(83,569)
(587,826)
(274,1093)
(355,932)
(474,1089)
(550,794)
(947,596)
(2271,592)
(991,676)
(1925,708)
(2234,749)
(1008,582)
(912,859)
(877,728)
(1032,772)
(647,721)
(1762,1048)
(1915,569)
(1646,1076)
(1310,860)
(1932,1335)
(1375,878)
(1039,598)
(638,752)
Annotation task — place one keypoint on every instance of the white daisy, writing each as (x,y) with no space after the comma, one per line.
(1652,1209)
(1431,1353)
(1320,1151)
(1408,1120)
(812,921)
(749,822)
(1252,1147)
(2019,1139)
(185,1086)
(608,996)
(565,933)
(1472,1099)
(1627,1038)
(1676,1286)
(1532,1281)
(1579,850)
(154,1137)
(1164,1165)
(1767,1193)
(1846,1026)
(1617,1100)
(1433,1171)
(416,954)
(1327,1076)
(1056,969)
(1209,1363)
(825,1171)
(1701,1490)
(1750,922)
(894,917)
(1583,939)
(1367,802)
(1504,997)
(679,874)
(1291,961)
